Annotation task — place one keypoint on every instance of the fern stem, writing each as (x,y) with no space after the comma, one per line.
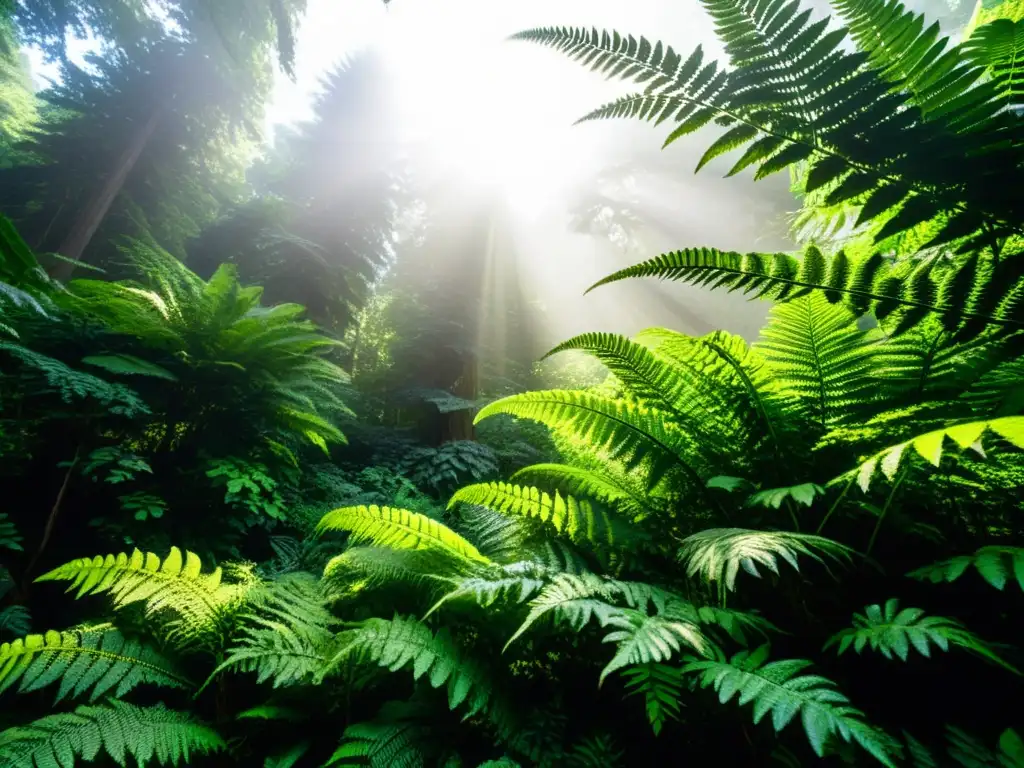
(885,509)
(835,504)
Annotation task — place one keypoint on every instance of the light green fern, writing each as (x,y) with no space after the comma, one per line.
(198,605)
(98,660)
(399,529)
(718,554)
(576,518)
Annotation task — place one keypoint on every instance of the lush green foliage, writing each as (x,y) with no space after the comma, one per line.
(658,569)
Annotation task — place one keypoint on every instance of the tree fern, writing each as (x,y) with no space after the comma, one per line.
(400,529)
(575,518)
(778,688)
(931,446)
(198,604)
(119,729)
(622,429)
(717,554)
(98,661)
(968,295)
(661,685)
(402,642)
(998,565)
(892,631)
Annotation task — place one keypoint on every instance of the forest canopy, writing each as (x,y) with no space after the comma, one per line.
(299,473)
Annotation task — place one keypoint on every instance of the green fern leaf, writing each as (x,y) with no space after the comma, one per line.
(778,688)
(198,603)
(403,642)
(661,686)
(717,554)
(892,631)
(399,529)
(774,497)
(818,355)
(645,639)
(931,446)
(621,429)
(998,47)
(115,727)
(996,564)
(580,482)
(577,519)
(98,660)
(9,537)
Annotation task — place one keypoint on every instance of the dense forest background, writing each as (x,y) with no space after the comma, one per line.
(339,466)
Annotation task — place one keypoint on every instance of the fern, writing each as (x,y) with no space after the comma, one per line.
(574,599)
(580,482)
(625,431)
(400,529)
(15,620)
(996,564)
(778,688)
(115,727)
(931,446)
(645,639)
(577,519)
(775,497)
(98,661)
(284,634)
(129,365)
(513,582)
(199,604)
(402,642)
(892,631)
(998,47)
(661,686)
(966,295)
(817,354)
(717,554)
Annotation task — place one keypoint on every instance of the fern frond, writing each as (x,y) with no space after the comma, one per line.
(818,355)
(284,633)
(402,642)
(98,661)
(778,688)
(931,446)
(624,430)
(129,365)
(577,519)
(907,51)
(581,482)
(9,536)
(732,380)
(890,631)
(277,653)
(382,567)
(998,48)
(381,744)
(965,295)
(115,727)
(717,554)
(643,639)
(575,599)
(661,686)
(199,603)
(996,564)
(399,529)
(514,582)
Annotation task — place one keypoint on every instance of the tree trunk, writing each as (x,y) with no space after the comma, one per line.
(92,215)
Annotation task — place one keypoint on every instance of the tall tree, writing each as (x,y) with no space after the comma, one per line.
(319,229)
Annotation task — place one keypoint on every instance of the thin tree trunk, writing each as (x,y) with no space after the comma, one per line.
(90,218)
